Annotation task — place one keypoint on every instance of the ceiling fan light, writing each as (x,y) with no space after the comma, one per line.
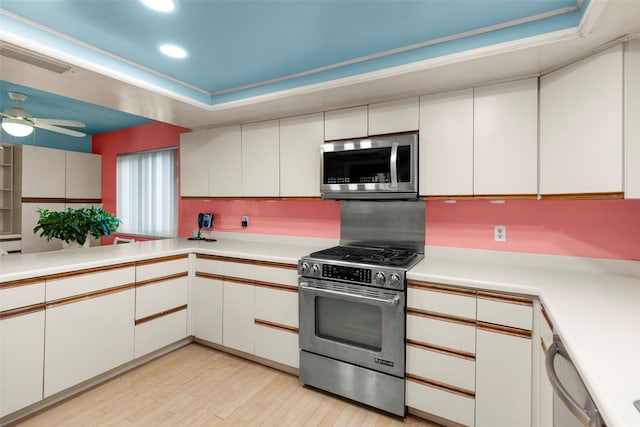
(16,128)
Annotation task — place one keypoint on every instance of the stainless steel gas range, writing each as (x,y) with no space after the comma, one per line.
(352,301)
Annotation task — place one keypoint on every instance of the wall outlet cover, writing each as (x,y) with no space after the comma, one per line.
(500,233)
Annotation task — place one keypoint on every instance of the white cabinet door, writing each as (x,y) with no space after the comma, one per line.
(505,148)
(86,338)
(43,172)
(207,309)
(83,175)
(225,162)
(32,242)
(194,163)
(632,98)
(261,159)
(238,320)
(300,141)
(394,116)
(346,123)
(503,380)
(446,144)
(21,361)
(581,126)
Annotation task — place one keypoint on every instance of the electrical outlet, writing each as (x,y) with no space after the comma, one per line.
(245,221)
(500,233)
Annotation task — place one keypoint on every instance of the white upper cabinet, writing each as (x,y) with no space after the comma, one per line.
(581,126)
(632,98)
(346,123)
(194,163)
(300,141)
(505,129)
(261,159)
(83,175)
(394,116)
(446,143)
(58,174)
(225,162)
(43,172)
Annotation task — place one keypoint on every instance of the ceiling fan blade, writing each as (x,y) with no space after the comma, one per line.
(59,129)
(56,122)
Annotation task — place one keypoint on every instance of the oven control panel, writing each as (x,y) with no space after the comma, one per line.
(370,276)
(346,273)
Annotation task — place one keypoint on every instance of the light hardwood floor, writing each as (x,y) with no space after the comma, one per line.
(199,386)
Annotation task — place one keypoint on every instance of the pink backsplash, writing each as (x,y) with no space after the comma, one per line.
(589,228)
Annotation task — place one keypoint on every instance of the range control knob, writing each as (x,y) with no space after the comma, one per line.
(316,270)
(304,268)
(379,279)
(394,281)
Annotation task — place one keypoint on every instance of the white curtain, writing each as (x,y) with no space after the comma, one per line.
(147,193)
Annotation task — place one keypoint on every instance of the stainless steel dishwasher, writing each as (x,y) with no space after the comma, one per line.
(572,404)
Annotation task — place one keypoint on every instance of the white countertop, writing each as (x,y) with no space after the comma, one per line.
(594,304)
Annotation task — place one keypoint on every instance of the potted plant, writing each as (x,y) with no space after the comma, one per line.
(75,225)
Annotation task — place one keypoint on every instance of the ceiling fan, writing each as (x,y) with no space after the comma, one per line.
(18,122)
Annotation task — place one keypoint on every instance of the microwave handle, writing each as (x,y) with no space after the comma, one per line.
(394,165)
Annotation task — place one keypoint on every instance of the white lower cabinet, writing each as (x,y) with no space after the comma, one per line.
(504,361)
(161,303)
(503,380)
(207,309)
(161,314)
(440,352)
(440,402)
(21,361)
(87,338)
(237,316)
(248,306)
(276,325)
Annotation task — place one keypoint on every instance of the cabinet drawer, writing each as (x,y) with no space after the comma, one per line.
(442,299)
(440,402)
(516,312)
(21,296)
(437,366)
(283,276)
(210,266)
(160,332)
(276,306)
(442,333)
(91,281)
(160,296)
(276,344)
(153,269)
(240,270)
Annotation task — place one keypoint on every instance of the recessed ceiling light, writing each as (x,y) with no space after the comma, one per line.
(173,51)
(161,5)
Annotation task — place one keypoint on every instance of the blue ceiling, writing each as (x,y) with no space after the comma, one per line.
(238,47)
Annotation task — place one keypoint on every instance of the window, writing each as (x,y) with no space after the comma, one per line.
(147,193)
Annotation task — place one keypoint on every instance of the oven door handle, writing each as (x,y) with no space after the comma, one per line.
(390,301)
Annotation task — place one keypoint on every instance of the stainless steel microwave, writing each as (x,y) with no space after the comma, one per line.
(383,167)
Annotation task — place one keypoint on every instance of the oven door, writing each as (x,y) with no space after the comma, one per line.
(355,324)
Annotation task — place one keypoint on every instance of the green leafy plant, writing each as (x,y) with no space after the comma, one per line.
(75,225)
